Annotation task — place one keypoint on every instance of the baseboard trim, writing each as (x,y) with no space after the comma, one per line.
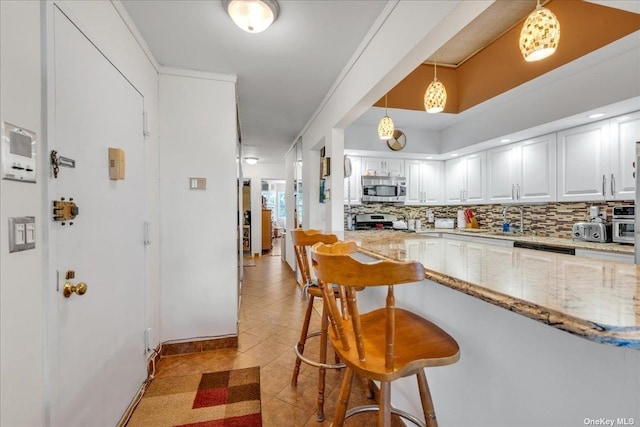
(197,346)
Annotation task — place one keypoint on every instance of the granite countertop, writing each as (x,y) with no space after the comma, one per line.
(554,241)
(597,300)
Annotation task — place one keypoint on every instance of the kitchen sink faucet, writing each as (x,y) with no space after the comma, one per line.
(521,209)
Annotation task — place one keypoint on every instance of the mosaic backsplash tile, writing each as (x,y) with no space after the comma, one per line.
(549,219)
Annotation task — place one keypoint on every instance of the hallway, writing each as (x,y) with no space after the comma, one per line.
(271,314)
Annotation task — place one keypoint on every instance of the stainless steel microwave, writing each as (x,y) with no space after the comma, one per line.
(381,189)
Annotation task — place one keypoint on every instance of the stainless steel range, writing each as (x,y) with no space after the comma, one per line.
(374,221)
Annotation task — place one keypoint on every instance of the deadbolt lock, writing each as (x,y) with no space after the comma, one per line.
(65,210)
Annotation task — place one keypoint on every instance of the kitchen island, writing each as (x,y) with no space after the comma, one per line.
(546,339)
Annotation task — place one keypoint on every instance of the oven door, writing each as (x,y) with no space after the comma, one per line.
(624,231)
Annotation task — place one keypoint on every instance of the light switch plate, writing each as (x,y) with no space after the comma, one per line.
(197,183)
(22,233)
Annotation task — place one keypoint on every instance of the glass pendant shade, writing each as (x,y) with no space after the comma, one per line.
(540,34)
(435,97)
(253,16)
(385,128)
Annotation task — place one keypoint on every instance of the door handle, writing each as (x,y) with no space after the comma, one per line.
(79,289)
(613,185)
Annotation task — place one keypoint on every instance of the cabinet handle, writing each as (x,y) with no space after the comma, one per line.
(604,185)
(513,187)
(518,191)
(613,185)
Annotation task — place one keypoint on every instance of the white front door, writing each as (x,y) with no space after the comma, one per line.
(97,339)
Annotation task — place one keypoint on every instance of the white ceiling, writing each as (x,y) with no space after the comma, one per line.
(283,73)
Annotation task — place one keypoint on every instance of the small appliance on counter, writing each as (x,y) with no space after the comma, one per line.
(599,232)
(624,220)
(444,223)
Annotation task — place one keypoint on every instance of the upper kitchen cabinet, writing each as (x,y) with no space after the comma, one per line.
(595,161)
(382,167)
(624,133)
(424,182)
(523,172)
(465,179)
(353,184)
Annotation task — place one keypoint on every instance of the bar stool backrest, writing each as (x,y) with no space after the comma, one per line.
(302,240)
(334,264)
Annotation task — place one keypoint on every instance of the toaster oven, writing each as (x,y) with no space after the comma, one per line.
(624,221)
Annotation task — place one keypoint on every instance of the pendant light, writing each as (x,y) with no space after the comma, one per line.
(385,127)
(253,16)
(435,97)
(540,34)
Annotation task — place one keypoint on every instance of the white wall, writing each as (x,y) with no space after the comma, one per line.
(360,137)
(21,290)
(199,248)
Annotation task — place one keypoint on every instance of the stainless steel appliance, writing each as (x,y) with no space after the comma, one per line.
(592,231)
(375,221)
(389,189)
(637,176)
(624,224)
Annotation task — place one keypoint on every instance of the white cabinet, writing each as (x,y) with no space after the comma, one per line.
(624,133)
(353,184)
(523,172)
(595,161)
(424,182)
(465,179)
(382,166)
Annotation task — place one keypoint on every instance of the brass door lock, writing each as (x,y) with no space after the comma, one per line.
(68,288)
(65,211)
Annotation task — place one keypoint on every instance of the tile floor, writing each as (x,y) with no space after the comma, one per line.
(271,314)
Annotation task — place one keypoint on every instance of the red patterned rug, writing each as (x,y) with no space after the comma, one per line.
(214,399)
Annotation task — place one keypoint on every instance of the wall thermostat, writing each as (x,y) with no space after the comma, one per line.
(18,151)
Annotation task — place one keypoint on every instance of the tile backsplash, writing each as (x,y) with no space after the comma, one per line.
(549,219)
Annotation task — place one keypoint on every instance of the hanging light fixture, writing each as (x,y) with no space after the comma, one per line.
(540,34)
(253,16)
(385,127)
(435,97)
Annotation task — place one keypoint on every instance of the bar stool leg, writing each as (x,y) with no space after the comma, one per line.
(343,398)
(425,399)
(384,413)
(323,359)
(303,339)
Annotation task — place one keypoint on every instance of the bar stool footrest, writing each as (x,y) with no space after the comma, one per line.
(375,408)
(313,362)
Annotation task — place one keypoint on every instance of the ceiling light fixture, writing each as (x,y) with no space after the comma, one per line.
(253,16)
(385,127)
(540,34)
(595,115)
(251,160)
(435,97)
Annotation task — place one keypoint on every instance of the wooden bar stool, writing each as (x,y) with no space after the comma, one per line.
(385,344)
(302,241)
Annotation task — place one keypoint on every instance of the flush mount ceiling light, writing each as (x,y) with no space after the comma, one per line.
(253,16)
(540,34)
(435,97)
(251,160)
(385,127)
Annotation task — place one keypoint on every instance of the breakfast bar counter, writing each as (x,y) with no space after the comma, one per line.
(546,339)
(597,300)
